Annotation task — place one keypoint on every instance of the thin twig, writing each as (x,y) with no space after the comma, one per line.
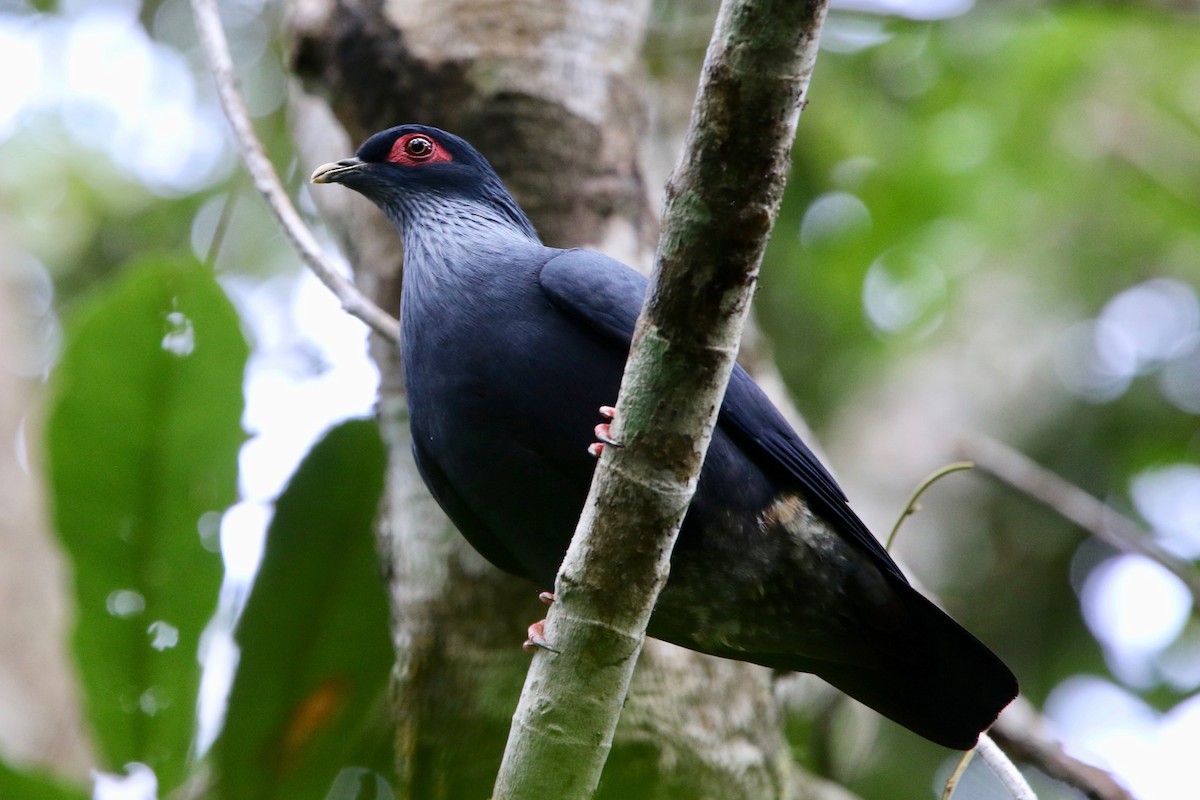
(910,507)
(1018,788)
(960,769)
(222,227)
(216,48)
(1021,473)
(1018,729)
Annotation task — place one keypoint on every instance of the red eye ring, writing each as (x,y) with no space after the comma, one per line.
(415,149)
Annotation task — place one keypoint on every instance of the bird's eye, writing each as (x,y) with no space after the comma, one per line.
(419,147)
(417,150)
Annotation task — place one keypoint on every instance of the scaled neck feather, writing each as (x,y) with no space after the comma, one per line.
(456,247)
(451,228)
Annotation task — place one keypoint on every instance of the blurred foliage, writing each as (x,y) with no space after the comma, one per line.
(143,436)
(18,785)
(1059,150)
(967,194)
(1002,177)
(309,694)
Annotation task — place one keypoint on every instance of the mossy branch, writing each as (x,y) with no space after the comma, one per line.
(721,203)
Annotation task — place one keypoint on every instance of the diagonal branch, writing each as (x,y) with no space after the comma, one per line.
(216,48)
(1020,731)
(722,201)
(1023,739)
(1026,476)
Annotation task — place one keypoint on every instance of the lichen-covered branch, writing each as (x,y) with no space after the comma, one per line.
(1012,779)
(722,202)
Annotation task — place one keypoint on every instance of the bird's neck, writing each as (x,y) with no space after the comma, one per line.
(459,253)
(452,231)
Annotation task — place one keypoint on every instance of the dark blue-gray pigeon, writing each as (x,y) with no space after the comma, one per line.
(509,347)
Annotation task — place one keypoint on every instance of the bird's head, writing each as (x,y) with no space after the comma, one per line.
(413,168)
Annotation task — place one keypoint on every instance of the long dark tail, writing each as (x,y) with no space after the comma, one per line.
(949,695)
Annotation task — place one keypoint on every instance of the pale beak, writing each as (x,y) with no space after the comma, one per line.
(334,172)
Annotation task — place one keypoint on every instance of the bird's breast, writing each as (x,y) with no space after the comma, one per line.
(503,393)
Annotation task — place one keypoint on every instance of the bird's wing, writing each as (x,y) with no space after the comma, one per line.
(606,295)
(461,514)
(598,291)
(753,418)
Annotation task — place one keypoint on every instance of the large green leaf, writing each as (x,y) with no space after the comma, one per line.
(17,784)
(315,648)
(142,442)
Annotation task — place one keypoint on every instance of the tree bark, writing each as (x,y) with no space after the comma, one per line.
(41,724)
(546,88)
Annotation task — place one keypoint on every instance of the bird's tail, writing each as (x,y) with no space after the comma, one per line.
(952,690)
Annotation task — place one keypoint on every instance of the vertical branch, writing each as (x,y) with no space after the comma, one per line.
(722,202)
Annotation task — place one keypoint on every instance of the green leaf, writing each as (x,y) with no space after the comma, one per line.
(315,648)
(142,442)
(17,784)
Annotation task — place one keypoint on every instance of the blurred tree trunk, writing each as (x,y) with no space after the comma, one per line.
(549,90)
(40,720)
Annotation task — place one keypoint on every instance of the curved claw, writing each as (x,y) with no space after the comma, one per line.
(603,433)
(537,637)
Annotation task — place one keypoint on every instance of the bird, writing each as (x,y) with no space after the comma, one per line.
(509,346)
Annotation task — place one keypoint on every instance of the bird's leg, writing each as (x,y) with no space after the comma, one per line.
(537,631)
(603,432)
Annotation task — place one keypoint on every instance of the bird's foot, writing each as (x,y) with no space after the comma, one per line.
(537,631)
(603,432)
